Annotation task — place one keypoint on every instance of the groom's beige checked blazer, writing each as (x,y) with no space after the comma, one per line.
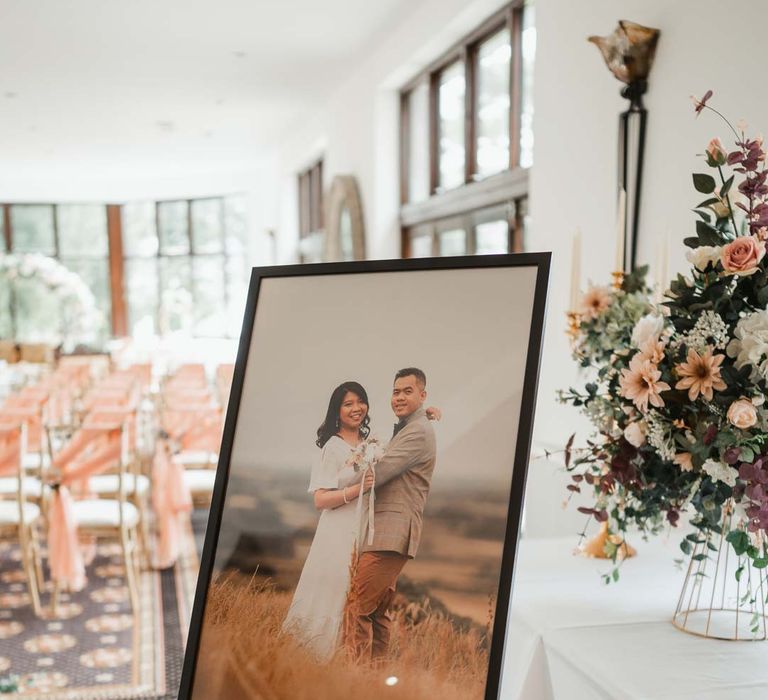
(403,478)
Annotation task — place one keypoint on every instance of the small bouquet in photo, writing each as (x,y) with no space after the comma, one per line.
(366,454)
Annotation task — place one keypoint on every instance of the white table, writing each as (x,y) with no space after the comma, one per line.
(571,637)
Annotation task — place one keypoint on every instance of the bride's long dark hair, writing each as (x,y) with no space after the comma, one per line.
(330,426)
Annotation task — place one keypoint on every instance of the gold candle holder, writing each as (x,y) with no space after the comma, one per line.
(618,279)
(595,548)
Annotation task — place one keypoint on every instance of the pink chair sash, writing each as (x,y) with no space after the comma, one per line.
(92,449)
(9,449)
(170,498)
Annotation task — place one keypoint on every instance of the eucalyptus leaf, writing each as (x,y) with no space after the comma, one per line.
(704,183)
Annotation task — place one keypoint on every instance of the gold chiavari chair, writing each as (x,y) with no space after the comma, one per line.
(113,518)
(19,518)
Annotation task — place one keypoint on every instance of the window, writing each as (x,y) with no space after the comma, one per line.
(75,234)
(185,266)
(152,267)
(311,234)
(466,142)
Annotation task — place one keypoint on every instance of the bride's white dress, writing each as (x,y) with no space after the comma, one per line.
(316,611)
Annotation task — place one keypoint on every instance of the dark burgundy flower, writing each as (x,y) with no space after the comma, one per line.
(710,435)
(746,472)
(673,516)
(731,455)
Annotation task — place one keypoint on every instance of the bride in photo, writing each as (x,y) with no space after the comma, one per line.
(340,478)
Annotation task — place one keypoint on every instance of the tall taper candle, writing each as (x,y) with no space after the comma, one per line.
(621,231)
(664,267)
(575,270)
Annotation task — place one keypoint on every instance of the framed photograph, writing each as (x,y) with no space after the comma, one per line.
(362,535)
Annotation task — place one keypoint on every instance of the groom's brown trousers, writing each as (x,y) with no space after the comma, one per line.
(373,588)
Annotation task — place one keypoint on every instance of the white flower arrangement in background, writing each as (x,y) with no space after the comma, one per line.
(79,319)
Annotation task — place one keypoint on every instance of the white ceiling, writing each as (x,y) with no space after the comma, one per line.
(139,84)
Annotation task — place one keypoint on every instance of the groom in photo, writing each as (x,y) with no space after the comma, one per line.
(403,477)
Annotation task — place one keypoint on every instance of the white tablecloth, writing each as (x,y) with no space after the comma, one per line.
(571,637)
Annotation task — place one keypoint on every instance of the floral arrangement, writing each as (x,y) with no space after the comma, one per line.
(366,454)
(677,389)
(80,320)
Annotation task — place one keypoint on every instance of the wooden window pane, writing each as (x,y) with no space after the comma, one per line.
(95,274)
(451,88)
(207,221)
(139,229)
(6,322)
(33,229)
(37,312)
(493,100)
(82,230)
(173,222)
(492,237)
(237,289)
(304,205)
(209,301)
(316,197)
(141,293)
(452,242)
(529,55)
(235,226)
(177,301)
(418,140)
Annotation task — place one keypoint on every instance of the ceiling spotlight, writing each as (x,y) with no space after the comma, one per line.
(392,680)
(10,95)
(239,54)
(165,125)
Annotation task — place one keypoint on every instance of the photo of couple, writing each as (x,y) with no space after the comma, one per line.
(372,503)
(366,510)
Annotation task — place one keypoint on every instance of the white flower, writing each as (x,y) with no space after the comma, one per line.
(635,433)
(750,346)
(703,255)
(649,326)
(718,471)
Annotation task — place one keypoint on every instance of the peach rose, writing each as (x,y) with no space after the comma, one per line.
(742,256)
(742,414)
(716,154)
(634,433)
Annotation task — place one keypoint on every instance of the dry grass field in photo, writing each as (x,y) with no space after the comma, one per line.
(244,656)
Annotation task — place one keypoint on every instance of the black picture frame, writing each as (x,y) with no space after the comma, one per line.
(539,261)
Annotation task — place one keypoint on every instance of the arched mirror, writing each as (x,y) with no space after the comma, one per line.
(344,216)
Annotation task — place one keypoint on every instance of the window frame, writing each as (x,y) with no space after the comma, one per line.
(509,185)
(310,202)
(116,320)
(116,258)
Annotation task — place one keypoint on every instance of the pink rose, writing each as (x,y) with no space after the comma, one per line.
(716,154)
(742,414)
(742,256)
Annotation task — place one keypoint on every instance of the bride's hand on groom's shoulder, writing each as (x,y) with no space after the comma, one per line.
(434,413)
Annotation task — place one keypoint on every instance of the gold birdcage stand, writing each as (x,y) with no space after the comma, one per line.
(716,603)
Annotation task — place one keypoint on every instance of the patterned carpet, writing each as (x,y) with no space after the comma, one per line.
(96,648)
